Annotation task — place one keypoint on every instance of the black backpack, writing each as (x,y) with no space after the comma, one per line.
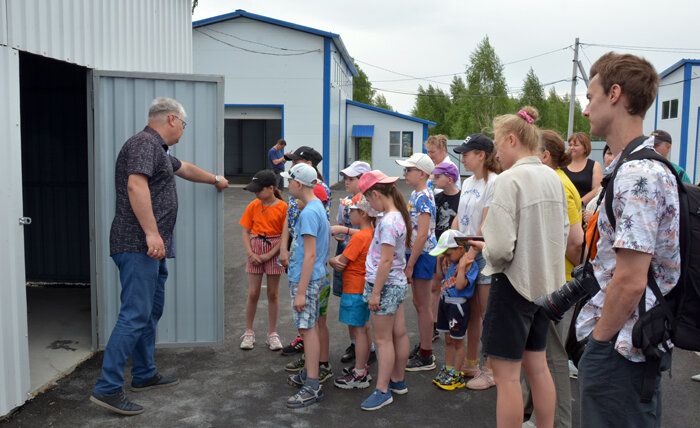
(677,316)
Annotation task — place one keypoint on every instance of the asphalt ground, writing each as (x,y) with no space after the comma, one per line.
(225,386)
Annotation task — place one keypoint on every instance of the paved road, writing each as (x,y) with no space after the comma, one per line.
(224,386)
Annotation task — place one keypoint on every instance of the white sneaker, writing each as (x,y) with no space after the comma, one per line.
(248,339)
(696,377)
(273,342)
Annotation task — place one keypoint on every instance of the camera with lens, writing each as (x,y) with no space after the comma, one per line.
(583,284)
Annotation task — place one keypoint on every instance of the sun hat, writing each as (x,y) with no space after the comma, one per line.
(303,173)
(356,169)
(418,160)
(373,177)
(446,241)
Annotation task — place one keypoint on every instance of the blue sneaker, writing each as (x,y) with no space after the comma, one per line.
(398,387)
(377,400)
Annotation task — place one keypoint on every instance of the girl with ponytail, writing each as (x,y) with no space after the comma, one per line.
(525,239)
(385,287)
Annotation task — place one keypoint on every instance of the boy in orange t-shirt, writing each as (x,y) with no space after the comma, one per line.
(353,310)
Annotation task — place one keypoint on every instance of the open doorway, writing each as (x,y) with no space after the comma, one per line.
(54,129)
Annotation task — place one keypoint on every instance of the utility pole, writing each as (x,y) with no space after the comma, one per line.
(572,95)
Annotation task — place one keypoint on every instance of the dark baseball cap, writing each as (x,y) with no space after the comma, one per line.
(475,142)
(305,153)
(661,136)
(261,180)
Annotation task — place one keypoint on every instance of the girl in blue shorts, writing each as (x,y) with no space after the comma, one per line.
(385,289)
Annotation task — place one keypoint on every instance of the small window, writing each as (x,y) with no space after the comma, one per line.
(395,144)
(669,109)
(400,144)
(406,144)
(674,109)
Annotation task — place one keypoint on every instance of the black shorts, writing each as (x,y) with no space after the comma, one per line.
(512,324)
(453,316)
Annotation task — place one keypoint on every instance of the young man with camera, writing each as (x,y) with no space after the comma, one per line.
(643,242)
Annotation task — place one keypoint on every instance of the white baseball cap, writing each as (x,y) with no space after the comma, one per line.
(356,169)
(420,161)
(447,240)
(303,173)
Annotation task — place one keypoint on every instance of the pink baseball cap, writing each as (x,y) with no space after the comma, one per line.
(373,177)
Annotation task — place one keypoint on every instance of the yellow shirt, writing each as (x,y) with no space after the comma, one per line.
(573,209)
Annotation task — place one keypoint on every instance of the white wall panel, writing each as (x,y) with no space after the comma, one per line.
(129,35)
(14,357)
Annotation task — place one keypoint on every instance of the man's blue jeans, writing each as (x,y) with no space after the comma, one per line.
(142,298)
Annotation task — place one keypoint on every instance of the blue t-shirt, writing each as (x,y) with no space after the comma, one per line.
(312,221)
(275,154)
(449,283)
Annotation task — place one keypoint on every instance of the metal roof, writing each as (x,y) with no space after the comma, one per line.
(243,14)
(363,131)
(677,65)
(389,112)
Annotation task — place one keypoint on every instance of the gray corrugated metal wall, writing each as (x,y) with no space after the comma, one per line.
(55,169)
(194,291)
(133,35)
(14,350)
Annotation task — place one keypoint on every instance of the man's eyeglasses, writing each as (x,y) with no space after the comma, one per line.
(184,124)
(407,170)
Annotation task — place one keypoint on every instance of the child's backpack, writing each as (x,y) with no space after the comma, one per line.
(677,316)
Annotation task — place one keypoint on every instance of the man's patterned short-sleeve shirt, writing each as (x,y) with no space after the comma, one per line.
(145,153)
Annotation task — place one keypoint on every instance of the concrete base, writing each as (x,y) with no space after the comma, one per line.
(60,336)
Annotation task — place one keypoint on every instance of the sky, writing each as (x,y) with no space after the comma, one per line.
(393,39)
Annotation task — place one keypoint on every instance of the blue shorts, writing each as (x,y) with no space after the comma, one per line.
(424,267)
(353,310)
(390,298)
(481,262)
(309,316)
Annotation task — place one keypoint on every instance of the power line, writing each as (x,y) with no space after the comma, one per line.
(254,51)
(428,78)
(680,81)
(646,48)
(256,43)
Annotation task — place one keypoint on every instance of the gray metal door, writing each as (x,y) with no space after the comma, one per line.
(194,292)
(14,348)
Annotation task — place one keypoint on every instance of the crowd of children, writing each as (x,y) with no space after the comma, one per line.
(434,243)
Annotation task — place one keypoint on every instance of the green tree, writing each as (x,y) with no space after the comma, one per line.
(533,93)
(362,91)
(433,104)
(381,102)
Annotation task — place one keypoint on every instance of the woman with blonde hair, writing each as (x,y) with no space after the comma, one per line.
(525,235)
(436,147)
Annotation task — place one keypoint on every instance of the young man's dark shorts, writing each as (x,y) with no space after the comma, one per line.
(453,316)
(512,324)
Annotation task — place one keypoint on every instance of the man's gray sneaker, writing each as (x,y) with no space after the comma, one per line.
(306,396)
(117,402)
(157,381)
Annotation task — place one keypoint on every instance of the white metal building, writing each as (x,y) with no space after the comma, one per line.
(677,111)
(63,120)
(285,80)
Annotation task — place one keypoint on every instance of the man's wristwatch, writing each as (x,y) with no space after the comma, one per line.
(217,179)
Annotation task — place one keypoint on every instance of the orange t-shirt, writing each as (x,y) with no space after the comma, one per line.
(356,253)
(263,220)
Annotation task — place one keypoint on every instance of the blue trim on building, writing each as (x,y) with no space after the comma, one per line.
(337,40)
(345,160)
(326,106)
(685,117)
(425,137)
(656,112)
(340,105)
(695,164)
(279,106)
(677,65)
(391,113)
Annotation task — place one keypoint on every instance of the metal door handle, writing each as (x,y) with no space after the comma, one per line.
(25,221)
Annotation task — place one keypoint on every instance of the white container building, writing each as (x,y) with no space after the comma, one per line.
(285,80)
(77,80)
(677,111)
